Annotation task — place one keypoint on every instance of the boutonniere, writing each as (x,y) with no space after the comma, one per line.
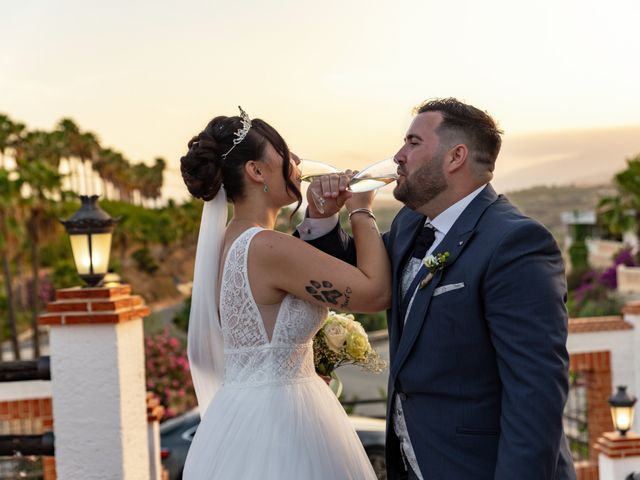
(434,263)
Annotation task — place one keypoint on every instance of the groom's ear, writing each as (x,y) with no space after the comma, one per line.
(456,158)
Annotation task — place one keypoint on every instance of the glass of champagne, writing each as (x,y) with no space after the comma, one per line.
(374,176)
(311,169)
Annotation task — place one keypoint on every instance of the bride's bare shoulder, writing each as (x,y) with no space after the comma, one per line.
(278,243)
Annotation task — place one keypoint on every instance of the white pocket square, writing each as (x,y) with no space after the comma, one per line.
(447,288)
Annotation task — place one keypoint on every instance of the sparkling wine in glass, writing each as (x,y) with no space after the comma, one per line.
(311,169)
(374,176)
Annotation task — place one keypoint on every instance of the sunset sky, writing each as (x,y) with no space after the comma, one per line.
(337,78)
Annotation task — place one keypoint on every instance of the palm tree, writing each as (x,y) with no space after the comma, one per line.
(38,156)
(87,152)
(103,165)
(157,180)
(621,212)
(139,174)
(80,149)
(9,228)
(116,170)
(9,132)
(615,216)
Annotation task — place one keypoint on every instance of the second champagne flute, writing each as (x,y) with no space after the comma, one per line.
(374,176)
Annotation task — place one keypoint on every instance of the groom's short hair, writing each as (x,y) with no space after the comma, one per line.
(463,123)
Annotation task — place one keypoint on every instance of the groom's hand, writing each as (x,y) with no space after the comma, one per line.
(327,194)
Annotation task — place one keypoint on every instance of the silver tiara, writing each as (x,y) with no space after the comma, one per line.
(241,132)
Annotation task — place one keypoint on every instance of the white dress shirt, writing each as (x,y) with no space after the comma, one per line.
(312,228)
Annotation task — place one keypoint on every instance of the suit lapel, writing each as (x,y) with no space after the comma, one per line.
(454,242)
(403,242)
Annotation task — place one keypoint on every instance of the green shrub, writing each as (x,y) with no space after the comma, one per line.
(181,319)
(65,275)
(144,260)
(372,321)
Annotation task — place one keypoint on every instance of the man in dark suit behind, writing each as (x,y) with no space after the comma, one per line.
(479,368)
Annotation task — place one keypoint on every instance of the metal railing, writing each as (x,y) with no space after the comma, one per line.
(23,370)
(11,445)
(18,447)
(575,417)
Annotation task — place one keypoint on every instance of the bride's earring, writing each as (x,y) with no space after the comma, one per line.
(266,189)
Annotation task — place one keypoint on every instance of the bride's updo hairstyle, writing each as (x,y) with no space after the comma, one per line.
(204,170)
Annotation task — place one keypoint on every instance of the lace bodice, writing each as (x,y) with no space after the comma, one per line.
(250,358)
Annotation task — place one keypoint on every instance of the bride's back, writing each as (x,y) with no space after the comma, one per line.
(253,356)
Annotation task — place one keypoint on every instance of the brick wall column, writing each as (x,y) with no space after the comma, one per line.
(22,415)
(596,366)
(98,388)
(631,312)
(618,456)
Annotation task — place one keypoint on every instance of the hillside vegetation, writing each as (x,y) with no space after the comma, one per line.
(546,204)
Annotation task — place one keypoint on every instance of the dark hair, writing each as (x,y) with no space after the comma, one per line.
(204,170)
(479,130)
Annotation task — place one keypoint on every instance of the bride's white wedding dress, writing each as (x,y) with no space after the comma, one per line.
(273,418)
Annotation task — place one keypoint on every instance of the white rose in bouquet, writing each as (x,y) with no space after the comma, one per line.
(342,341)
(335,334)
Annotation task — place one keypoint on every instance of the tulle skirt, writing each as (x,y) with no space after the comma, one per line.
(296,431)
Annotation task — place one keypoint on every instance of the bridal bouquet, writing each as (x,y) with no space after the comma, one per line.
(343,341)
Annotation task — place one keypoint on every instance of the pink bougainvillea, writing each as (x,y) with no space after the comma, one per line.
(168,374)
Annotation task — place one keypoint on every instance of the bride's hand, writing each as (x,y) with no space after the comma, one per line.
(326,378)
(330,193)
(361,200)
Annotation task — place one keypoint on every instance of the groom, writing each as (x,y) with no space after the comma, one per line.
(479,368)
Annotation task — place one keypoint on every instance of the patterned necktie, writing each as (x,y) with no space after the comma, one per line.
(423,241)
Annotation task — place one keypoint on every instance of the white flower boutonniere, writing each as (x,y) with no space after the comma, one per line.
(434,263)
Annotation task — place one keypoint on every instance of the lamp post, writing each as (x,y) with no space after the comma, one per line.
(622,410)
(90,230)
(96,342)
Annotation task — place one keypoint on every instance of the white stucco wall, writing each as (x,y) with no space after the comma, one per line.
(617,468)
(11,391)
(99,404)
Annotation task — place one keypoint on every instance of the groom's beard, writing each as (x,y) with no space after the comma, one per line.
(423,185)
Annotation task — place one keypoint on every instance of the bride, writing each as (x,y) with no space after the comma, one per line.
(265,413)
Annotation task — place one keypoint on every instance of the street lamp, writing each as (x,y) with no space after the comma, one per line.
(90,230)
(622,410)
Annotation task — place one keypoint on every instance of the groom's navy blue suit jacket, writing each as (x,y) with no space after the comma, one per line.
(481,366)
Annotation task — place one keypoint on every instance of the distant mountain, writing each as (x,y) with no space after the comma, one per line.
(581,157)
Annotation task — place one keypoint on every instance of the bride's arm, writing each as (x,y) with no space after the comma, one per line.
(293,266)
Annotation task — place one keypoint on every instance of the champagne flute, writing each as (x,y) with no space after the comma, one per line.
(374,176)
(311,169)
